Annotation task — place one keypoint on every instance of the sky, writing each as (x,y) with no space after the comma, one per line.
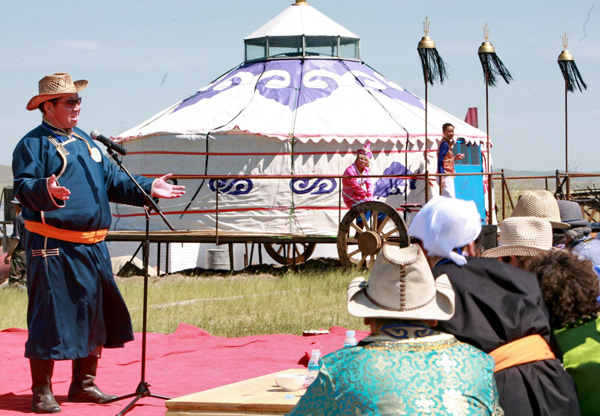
(141,56)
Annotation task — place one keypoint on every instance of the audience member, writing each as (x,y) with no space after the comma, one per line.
(570,289)
(520,239)
(577,237)
(404,366)
(541,204)
(499,309)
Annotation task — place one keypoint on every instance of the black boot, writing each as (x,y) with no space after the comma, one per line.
(83,388)
(43,400)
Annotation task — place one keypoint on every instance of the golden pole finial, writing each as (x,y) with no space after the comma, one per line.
(426,42)
(486,46)
(565,55)
(426,24)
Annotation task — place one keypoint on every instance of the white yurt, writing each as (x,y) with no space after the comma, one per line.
(260,148)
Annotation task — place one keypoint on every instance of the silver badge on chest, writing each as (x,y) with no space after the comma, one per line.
(96,155)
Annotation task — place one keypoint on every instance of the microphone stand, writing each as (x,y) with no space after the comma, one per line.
(143,388)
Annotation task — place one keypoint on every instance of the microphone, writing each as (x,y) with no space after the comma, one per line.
(108,143)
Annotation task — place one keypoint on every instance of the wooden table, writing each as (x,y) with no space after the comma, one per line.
(256,396)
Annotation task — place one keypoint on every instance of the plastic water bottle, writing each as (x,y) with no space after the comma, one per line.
(350,340)
(313,366)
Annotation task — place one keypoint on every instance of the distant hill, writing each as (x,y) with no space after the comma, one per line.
(576,183)
(509,172)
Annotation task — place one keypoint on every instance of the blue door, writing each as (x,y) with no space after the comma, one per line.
(470,187)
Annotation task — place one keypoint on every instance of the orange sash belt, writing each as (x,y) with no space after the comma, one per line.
(85,237)
(525,350)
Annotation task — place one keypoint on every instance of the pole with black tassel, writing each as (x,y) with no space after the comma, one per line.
(573,79)
(434,69)
(492,68)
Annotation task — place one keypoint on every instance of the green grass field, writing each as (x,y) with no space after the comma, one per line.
(236,305)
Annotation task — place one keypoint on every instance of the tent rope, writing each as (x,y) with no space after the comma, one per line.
(373,96)
(193,199)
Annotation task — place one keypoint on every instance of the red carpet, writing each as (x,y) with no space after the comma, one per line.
(188,361)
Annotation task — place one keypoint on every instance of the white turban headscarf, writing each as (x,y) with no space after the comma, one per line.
(445,224)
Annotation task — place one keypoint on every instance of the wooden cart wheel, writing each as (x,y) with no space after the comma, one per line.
(360,247)
(290,253)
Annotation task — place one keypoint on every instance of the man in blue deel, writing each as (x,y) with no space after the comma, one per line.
(446,158)
(65,184)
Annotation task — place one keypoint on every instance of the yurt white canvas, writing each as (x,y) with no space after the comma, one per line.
(295,112)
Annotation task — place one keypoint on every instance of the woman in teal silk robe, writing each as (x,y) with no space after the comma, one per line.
(404,367)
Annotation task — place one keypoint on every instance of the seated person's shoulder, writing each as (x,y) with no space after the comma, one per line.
(486,270)
(494,266)
(468,350)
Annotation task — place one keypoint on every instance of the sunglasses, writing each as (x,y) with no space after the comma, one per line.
(72,103)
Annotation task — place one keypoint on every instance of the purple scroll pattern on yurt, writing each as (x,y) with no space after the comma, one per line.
(317,186)
(231,186)
(385,187)
(294,83)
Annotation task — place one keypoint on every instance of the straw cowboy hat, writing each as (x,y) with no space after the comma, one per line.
(541,204)
(522,236)
(54,86)
(401,286)
(444,224)
(570,213)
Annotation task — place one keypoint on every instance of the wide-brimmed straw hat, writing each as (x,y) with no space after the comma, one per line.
(444,224)
(541,204)
(401,286)
(570,213)
(54,86)
(522,236)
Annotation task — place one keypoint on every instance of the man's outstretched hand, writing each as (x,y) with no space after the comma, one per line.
(164,189)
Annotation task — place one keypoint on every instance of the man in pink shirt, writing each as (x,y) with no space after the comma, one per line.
(360,187)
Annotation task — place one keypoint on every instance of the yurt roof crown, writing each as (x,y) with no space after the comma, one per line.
(301,31)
